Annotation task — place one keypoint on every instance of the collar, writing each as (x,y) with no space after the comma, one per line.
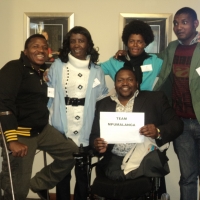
(194,40)
(79,63)
(143,56)
(114,96)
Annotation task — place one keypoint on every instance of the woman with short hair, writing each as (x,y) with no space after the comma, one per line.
(136,36)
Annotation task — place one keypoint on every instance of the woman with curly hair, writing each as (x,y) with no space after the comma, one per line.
(136,36)
(78,82)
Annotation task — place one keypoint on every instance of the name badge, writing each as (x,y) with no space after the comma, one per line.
(146,68)
(50,92)
(198,70)
(95,83)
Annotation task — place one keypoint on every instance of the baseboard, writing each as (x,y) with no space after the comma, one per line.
(53,197)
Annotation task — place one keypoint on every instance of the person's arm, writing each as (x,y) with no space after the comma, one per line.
(49,74)
(149,130)
(111,66)
(45,75)
(103,90)
(169,126)
(95,131)
(100,145)
(120,53)
(164,52)
(95,141)
(10,79)
(161,54)
(172,125)
(18,149)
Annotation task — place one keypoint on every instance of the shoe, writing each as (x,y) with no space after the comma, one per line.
(43,194)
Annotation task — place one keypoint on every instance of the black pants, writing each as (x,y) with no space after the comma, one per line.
(81,185)
(63,188)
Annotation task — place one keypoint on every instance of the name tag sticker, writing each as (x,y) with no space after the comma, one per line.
(146,68)
(198,70)
(96,82)
(50,92)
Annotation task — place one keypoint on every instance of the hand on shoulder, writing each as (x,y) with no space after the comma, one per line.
(120,53)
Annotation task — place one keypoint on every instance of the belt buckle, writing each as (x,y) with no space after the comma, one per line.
(74,101)
(68,101)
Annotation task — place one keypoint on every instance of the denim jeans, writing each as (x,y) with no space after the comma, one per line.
(187,148)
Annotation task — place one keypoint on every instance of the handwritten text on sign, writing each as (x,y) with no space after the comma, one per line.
(121,127)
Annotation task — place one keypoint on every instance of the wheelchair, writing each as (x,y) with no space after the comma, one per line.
(103,188)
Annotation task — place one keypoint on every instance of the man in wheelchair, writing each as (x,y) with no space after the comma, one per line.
(122,162)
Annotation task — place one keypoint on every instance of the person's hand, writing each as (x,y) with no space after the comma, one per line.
(50,55)
(18,149)
(100,145)
(55,53)
(45,76)
(149,130)
(120,53)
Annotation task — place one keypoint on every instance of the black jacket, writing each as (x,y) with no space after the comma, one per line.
(157,111)
(24,93)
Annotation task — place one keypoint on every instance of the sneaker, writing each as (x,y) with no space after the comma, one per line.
(43,194)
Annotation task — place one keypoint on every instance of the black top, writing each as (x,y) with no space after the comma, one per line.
(135,63)
(24,93)
(157,111)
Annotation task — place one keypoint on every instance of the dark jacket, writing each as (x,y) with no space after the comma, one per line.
(24,93)
(165,80)
(157,111)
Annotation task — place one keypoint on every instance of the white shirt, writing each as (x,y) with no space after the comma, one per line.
(74,80)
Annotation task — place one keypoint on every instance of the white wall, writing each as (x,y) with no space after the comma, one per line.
(101,18)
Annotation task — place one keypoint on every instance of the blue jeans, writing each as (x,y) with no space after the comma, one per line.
(187,148)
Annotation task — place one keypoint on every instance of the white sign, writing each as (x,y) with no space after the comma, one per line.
(121,127)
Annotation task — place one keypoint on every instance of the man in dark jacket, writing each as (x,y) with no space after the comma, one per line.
(161,123)
(24,118)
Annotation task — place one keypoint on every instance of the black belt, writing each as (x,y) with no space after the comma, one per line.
(74,101)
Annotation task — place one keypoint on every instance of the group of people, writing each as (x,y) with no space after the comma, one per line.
(57,113)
